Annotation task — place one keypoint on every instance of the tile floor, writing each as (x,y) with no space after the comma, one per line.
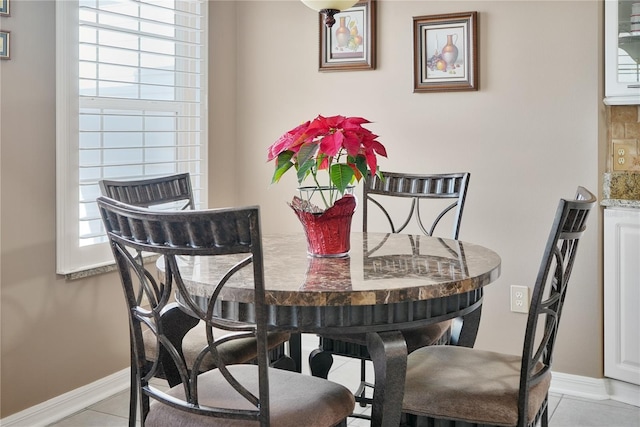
(564,410)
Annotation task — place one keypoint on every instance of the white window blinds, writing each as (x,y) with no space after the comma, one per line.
(131,104)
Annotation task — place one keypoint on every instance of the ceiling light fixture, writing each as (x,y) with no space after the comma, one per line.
(329,8)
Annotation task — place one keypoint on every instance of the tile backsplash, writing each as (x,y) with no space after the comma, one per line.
(624,138)
(622,180)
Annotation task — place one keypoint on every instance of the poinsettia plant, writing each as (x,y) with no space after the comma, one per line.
(339,145)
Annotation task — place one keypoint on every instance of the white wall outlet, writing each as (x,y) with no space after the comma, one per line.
(519,299)
(626,155)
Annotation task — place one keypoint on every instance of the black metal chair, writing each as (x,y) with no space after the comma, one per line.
(446,194)
(174,192)
(456,386)
(229,395)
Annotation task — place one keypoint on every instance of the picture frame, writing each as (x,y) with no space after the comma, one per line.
(350,44)
(4,44)
(445,52)
(4,7)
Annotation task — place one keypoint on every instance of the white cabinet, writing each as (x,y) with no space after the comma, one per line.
(622,294)
(622,54)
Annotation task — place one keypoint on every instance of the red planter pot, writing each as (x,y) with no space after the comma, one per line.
(328,233)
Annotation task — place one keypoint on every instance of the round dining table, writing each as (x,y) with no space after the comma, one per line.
(387,283)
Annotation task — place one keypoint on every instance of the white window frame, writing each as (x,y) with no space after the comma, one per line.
(73,259)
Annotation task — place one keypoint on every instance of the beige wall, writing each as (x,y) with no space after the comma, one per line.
(56,335)
(529,136)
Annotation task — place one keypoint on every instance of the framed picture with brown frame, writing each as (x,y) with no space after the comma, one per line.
(445,52)
(350,44)
(4,44)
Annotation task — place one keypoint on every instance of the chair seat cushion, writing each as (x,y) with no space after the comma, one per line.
(465,384)
(294,400)
(240,350)
(415,337)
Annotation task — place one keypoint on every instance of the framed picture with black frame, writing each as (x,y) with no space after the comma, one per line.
(4,7)
(445,52)
(4,44)
(350,44)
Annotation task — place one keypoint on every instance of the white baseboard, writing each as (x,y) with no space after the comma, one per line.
(69,403)
(624,392)
(575,385)
(595,388)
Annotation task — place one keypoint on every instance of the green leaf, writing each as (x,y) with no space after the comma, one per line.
(341,175)
(306,152)
(284,164)
(280,171)
(304,169)
(361,164)
(284,157)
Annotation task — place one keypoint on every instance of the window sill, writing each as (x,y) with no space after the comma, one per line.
(103,269)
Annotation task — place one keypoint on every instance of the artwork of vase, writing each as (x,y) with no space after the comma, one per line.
(450,51)
(343,34)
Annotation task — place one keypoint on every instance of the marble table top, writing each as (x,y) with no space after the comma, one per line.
(381,268)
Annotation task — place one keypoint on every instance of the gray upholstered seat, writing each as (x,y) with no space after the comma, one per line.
(229,395)
(457,386)
(295,400)
(463,384)
(242,350)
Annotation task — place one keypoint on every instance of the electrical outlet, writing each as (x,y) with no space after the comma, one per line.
(626,155)
(519,299)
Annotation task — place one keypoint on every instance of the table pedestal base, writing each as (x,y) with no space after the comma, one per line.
(388,352)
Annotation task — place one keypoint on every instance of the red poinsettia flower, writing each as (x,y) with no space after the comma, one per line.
(287,141)
(338,144)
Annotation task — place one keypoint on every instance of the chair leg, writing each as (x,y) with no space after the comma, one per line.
(544,421)
(469,330)
(133,398)
(406,420)
(362,389)
(295,350)
(320,363)
(279,359)
(361,392)
(133,394)
(144,407)
(285,363)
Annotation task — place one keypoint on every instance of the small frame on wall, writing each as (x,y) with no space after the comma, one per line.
(445,52)
(4,44)
(4,7)
(350,44)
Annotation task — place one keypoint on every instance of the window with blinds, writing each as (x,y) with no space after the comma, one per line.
(131,102)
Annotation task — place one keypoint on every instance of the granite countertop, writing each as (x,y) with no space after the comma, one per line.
(620,203)
(621,190)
